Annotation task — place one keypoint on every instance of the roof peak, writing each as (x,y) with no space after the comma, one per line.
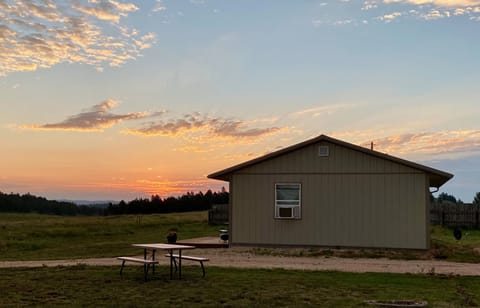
(441,177)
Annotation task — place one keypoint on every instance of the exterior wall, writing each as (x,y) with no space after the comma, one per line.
(348,199)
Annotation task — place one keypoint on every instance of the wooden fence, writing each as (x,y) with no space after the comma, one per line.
(455,215)
(444,214)
(218,214)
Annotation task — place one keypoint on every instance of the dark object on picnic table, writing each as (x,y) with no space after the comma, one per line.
(172,237)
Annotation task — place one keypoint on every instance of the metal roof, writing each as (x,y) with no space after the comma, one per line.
(437,177)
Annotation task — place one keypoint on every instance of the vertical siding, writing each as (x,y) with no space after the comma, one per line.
(348,199)
(340,160)
(337,210)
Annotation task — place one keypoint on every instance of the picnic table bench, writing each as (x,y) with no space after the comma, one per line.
(146,264)
(183,257)
(146,261)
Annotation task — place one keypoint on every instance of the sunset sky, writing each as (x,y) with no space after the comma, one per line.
(110,99)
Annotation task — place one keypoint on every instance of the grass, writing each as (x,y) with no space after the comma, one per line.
(44,237)
(445,246)
(82,286)
(39,237)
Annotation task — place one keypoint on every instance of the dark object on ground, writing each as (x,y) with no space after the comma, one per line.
(457,233)
(224,235)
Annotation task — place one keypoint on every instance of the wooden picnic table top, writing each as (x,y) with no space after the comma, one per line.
(163,246)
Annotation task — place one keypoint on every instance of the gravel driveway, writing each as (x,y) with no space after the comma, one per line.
(243,257)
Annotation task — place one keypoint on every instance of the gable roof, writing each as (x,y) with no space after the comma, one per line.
(437,177)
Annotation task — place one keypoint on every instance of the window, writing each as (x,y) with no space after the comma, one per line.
(323,151)
(287,201)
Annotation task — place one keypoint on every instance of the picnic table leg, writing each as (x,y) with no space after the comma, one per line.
(180,264)
(203,268)
(121,268)
(145,268)
(153,264)
(171,264)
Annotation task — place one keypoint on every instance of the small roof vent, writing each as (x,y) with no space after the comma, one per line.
(323,151)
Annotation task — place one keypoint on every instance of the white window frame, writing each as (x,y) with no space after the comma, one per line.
(295,205)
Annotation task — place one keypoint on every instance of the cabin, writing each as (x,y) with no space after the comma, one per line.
(327,192)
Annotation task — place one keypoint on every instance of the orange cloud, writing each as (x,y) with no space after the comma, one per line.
(164,188)
(106,10)
(40,34)
(206,126)
(96,118)
(443,142)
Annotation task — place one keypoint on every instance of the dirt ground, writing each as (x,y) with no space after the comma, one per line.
(244,257)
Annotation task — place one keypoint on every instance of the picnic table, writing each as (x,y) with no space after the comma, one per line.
(152,261)
(169,248)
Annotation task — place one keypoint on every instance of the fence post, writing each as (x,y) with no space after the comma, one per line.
(476,218)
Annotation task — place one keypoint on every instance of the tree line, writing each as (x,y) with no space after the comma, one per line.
(186,203)
(27,203)
(447,198)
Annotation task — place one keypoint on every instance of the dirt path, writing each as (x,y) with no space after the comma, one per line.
(244,258)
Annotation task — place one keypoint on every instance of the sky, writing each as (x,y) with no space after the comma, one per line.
(111,99)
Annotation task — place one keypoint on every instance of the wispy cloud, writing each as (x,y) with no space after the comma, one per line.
(343,22)
(322,110)
(390,17)
(105,10)
(96,118)
(431,143)
(198,126)
(433,9)
(441,3)
(387,11)
(434,14)
(159,6)
(41,33)
(369,4)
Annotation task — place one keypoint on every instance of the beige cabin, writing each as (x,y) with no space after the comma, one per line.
(327,192)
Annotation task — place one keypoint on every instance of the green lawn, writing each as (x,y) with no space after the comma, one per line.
(445,246)
(38,237)
(43,237)
(102,286)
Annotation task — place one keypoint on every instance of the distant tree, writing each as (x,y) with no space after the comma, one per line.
(476,200)
(446,197)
